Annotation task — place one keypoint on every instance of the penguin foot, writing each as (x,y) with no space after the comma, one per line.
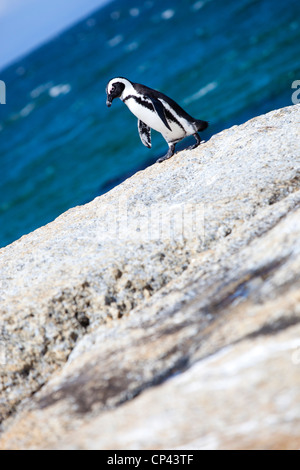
(192,147)
(196,145)
(162,159)
(198,142)
(168,155)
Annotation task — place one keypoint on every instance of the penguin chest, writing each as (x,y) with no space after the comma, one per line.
(145,111)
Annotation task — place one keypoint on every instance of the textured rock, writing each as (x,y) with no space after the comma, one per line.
(206,406)
(190,266)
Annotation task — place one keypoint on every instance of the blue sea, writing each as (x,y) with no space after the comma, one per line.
(224,61)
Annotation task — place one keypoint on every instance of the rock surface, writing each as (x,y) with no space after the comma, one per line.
(188,271)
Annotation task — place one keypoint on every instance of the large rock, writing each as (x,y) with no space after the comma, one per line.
(192,267)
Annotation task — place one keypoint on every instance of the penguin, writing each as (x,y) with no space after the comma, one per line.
(157,111)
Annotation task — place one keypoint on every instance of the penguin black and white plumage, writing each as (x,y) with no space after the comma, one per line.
(157,111)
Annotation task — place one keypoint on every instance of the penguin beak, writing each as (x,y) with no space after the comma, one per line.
(109,101)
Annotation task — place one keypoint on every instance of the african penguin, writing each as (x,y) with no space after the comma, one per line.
(157,111)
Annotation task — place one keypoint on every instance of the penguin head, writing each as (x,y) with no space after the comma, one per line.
(115,88)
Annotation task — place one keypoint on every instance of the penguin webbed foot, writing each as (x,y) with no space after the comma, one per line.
(168,155)
(198,142)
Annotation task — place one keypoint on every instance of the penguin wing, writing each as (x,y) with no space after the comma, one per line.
(145,133)
(159,108)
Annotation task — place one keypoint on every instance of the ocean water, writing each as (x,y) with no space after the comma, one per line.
(60,146)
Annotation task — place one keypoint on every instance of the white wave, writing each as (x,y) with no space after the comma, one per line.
(91,22)
(198,5)
(58,90)
(132,46)
(113,42)
(115,15)
(202,92)
(27,110)
(40,89)
(168,14)
(23,113)
(134,12)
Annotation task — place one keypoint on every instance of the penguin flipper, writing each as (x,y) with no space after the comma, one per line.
(160,110)
(145,133)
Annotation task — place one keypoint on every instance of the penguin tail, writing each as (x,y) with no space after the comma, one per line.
(201,125)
